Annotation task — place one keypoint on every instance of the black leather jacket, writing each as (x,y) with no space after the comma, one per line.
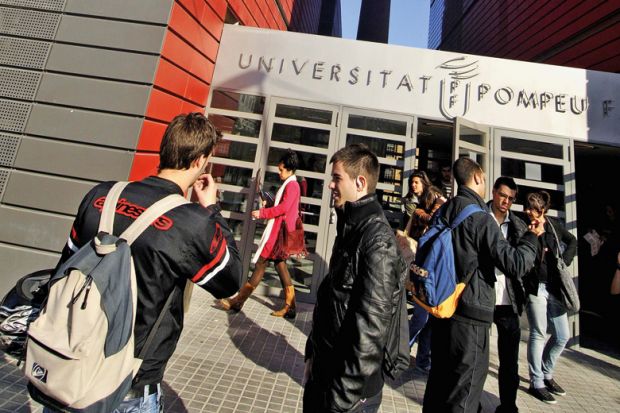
(479,247)
(514,285)
(353,309)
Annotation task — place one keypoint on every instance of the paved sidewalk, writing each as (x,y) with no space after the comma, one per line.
(252,362)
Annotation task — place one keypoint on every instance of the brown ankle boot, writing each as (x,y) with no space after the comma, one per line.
(288,311)
(235,303)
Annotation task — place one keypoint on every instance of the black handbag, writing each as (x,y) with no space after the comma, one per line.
(570,296)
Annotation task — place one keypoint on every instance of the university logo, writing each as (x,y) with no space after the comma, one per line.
(455,89)
(39,372)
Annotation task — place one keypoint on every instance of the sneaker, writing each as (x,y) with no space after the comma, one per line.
(554,388)
(542,394)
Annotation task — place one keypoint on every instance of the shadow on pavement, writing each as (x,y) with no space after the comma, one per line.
(172,401)
(588,362)
(265,348)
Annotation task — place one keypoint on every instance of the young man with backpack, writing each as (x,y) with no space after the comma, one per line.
(460,343)
(188,242)
(359,297)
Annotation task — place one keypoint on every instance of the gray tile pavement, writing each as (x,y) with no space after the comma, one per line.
(252,362)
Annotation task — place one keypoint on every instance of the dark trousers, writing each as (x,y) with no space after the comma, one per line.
(314,396)
(460,364)
(508,337)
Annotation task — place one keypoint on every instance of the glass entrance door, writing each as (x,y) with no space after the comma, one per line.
(472,140)
(310,130)
(540,162)
(390,136)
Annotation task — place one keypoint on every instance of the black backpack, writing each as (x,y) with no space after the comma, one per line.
(396,351)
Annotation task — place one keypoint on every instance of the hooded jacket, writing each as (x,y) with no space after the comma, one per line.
(479,247)
(353,309)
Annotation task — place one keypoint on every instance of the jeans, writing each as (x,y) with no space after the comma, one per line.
(542,310)
(419,329)
(152,403)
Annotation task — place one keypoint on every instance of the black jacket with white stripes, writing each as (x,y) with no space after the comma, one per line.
(188,242)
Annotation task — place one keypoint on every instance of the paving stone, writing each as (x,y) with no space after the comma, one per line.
(252,362)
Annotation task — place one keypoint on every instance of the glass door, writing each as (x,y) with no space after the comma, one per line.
(540,162)
(390,136)
(472,140)
(310,130)
(236,157)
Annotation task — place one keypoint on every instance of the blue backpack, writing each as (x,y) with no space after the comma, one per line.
(434,279)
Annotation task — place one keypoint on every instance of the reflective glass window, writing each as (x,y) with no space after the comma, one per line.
(530,147)
(383,148)
(301,136)
(233,125)
(305,114)
(395,127)
(231,175)
(235,150)
(238,102)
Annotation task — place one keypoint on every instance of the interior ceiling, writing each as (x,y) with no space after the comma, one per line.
(595,150)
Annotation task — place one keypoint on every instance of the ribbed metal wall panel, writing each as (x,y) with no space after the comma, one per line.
(75,80)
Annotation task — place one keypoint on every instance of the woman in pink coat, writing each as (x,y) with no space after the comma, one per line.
(284,212)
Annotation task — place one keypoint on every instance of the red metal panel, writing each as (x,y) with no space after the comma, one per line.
(182,54)
(187,28)
(563,27)
(534,25)
(164,106)
(238,6)
(150,136)
(175,80)
(256,12)
(592,51)
(591,44)
(219,6)
(610,65)
(205,16)
(273,15)
(144,164)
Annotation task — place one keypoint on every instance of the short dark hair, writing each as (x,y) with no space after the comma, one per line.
(357,159)
(186,138)
(507,181)
(464,170)
(539,201)
(289,160)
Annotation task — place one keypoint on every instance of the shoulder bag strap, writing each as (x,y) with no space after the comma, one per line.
(133,232)
(151,214)
(106,223)
(557,240)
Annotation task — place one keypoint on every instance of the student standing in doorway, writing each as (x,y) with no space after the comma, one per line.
(509,297)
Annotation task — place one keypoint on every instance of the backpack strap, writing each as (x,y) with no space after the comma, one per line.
(464,214)
(558,251)
(151,214)
(106,223)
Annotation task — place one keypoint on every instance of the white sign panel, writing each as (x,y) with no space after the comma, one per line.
(427,83)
